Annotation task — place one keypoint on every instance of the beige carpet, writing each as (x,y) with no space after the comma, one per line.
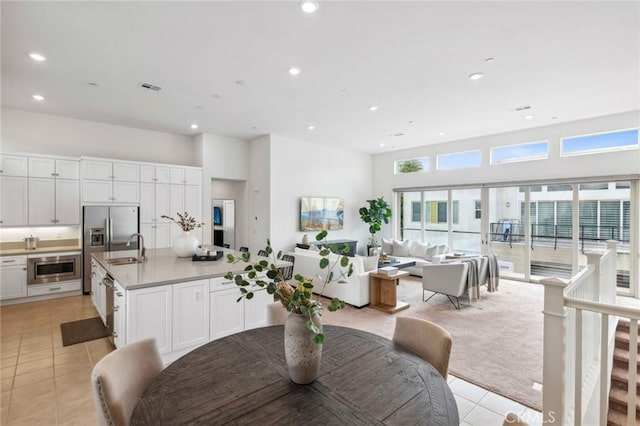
(497,341)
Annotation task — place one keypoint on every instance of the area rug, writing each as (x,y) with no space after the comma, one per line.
(497,341)
(82,331)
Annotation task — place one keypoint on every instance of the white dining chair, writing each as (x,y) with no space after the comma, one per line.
(120,378)
(427,340)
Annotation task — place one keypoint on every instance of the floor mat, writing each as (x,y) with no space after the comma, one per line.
(82,331)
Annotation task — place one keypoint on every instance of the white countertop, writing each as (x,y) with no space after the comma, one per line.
(40,250)
(164,267)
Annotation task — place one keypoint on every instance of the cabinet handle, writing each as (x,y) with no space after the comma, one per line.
(118,294)
(8,261)
(24,269)
(114,334)
(54,288)
(116,308)
(53,221)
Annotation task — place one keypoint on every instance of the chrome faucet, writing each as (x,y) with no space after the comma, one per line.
(142,249)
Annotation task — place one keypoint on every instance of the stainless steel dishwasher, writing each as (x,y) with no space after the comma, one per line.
(109,288)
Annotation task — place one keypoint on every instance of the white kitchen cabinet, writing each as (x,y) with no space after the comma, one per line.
(14,201)
(148,231)
(54,201)
(54,288)
(190,314)
(13,277)
(185,176)
(163,234)
(227,315)
(127,172)
(147,202)
(150,315)
(110,182)
(255,311)
(154,174)
(119,316)
(99,292)
(43,167)
(97,170)
(14,165)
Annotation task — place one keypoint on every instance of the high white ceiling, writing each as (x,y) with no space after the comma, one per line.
(223,65)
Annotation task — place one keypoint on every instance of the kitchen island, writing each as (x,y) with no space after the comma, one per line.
(181,303)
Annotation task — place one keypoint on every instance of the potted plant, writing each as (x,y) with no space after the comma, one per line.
(186,244)
(303,327)
(378,211)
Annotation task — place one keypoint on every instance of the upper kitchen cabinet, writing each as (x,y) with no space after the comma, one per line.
(185,176)
(109,170)
(110,182)
(14,201)
(41,167)
(14,165)
(150,173)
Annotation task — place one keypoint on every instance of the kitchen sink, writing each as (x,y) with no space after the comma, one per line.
(122,261)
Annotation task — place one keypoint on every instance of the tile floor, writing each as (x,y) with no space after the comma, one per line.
(44,383)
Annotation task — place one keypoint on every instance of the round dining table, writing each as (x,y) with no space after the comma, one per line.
(364,379)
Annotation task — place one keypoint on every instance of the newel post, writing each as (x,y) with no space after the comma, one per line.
(553,361)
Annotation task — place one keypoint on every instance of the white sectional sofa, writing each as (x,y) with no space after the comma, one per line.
(355,291)
(409,250)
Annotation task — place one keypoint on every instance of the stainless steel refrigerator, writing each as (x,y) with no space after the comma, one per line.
(106,228)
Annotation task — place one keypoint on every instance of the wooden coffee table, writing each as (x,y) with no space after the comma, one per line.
(384,295)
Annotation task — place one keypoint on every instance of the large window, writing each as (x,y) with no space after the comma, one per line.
(458,160)
(522,152)
(601,142)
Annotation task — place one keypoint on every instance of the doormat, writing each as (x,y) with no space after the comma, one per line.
(82,331)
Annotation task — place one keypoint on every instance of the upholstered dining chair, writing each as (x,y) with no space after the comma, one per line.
(512,419)
(263,253)
(427,340)
(287,271)
(120,378)
(276,313)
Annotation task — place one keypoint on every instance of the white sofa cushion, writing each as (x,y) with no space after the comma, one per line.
(442,249)
(401,248)
(418,249)
(387,246)
(430,251)
(358,265)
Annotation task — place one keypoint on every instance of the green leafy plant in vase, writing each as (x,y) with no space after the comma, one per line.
(296,296)
(379,211)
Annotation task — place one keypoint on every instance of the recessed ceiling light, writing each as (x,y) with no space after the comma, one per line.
(194,126)
(476,76)
(411,122)
(308,6)
(37,57)
(528,117)
(373,108)
(488,60)
(554,118)
(311,127)
(441,134)
(38,97)
(93,84)
(294,71)
(381,145)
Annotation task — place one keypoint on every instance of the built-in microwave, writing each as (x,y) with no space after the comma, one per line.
(54,268)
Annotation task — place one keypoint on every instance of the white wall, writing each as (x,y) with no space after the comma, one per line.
(228,159)
(35,133)
(300,168)
(259,193)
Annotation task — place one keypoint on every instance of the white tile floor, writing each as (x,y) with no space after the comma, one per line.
(479,407)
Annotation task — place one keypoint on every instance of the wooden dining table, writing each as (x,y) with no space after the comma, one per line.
(364,379)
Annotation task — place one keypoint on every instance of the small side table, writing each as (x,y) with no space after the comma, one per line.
(384,294)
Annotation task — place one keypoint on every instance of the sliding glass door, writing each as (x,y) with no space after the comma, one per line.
(507,226)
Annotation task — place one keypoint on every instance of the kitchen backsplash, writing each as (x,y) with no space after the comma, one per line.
(44,233)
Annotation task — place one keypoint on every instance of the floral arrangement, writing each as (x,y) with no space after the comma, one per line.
(185,221)
(296,297)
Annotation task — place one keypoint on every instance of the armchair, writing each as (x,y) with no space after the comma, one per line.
(449,279)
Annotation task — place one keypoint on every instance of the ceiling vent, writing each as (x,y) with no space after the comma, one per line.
(523,108)
(150,86)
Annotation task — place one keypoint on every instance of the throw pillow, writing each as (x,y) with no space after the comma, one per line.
(314,247)
(442,249)
(387,246)
(358,265)
(370,263)
(430,252)
(417,249)
(400,248)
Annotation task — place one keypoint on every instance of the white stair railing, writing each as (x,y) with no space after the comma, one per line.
(580,316)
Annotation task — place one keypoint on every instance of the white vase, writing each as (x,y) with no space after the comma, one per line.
(301,352)
(185,245)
